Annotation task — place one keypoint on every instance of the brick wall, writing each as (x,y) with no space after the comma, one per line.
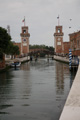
(75,43)
(66,47)
(76,52)
(25,50)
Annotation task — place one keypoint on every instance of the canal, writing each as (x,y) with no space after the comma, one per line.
(35,91)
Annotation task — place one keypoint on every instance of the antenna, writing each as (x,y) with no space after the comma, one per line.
(8,29)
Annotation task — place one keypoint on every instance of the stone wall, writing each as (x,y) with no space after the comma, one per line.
(71,110)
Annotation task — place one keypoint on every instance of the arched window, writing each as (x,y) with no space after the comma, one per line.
(24,31)
(58,30)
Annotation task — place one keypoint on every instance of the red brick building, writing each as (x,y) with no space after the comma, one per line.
(66,47)
(58,39)
(75,43)
(24,40)
(61,47)
(24,45)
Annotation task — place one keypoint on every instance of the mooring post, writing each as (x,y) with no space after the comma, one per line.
(70,58)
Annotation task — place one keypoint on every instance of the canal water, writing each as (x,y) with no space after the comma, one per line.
(35,91)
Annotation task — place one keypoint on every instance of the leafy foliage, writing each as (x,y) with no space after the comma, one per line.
(1,56)
(12,49)
(41,46)
(15,50)
(6,46)
(46,50)
(4,39)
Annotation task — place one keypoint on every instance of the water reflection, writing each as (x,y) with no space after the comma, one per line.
(62,72)
(37,90)
(5,89)
(59,78)
(25,67)
(64,80)
(72,76)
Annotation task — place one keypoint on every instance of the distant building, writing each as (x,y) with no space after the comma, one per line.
(75,43)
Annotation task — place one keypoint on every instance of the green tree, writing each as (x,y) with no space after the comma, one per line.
(6,46)
(4,40)
(50,48)
(9,48)
(12,49)
(16,50)
(1,56)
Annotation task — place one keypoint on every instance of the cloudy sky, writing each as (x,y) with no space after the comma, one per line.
(41,18)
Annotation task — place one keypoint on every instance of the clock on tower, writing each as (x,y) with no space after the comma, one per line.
(58,39)
(24,40)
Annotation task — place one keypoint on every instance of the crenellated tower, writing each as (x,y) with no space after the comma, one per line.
(58,39)
(24,40)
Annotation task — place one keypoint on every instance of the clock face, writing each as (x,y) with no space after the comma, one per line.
(24,40)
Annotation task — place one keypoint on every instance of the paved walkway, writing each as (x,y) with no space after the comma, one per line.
(64,59)
(71,109)
(23,59)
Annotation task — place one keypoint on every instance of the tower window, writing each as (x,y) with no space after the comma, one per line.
(24,40)
(24,31)
(58,30)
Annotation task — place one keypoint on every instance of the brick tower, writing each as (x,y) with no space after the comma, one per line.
(58,39)
(24,40)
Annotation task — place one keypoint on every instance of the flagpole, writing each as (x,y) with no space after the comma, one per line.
(24,21)
(58,20)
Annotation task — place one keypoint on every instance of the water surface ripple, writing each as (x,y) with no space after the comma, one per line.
(35,91)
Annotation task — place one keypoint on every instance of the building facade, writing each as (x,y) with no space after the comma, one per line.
(75,43)
(61,48)
(24,40)
(58,40)
(66,47)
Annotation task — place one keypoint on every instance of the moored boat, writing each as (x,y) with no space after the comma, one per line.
(16,63)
